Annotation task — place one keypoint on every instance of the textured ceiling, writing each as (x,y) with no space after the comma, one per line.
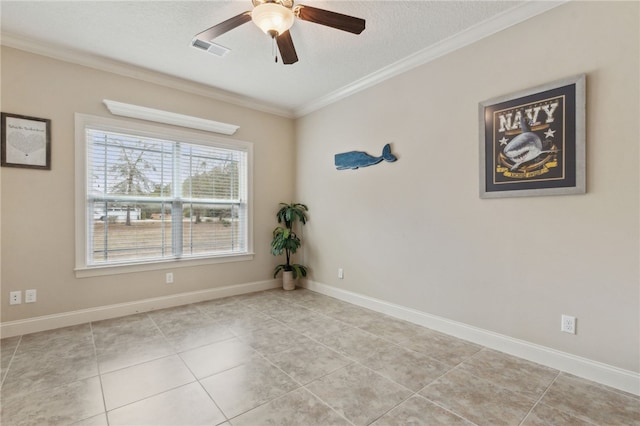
(156,35)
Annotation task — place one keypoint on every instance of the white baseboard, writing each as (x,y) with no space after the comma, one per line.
(615,377)
(605,374)
(66,319)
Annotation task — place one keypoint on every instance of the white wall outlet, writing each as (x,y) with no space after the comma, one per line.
(15,297)
(340,273)
(169,278)
(30,296)
(568,324)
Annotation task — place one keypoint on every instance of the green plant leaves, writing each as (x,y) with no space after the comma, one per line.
(297,269)
(285,239)
(292,213)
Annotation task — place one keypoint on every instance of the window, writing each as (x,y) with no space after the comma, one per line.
(151,195)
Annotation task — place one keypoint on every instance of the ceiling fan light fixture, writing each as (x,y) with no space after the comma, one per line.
(272,18)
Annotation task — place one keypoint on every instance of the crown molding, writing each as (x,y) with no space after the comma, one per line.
(508,18)
(100,63)
(484,29)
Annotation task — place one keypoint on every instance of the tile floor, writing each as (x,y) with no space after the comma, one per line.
(284,358)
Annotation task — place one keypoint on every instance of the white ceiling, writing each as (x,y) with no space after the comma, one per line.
(155,36)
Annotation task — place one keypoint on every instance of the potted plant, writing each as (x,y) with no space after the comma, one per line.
(286,241)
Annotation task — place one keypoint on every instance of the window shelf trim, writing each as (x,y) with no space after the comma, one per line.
(124,268)
(166,117)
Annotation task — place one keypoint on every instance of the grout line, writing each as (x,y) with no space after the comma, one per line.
(164,336)
(212,400)
(539,402)
(448,410)
(95,353)
(394,407)
(540,399)
(329,405)
(263,403)
(6,373)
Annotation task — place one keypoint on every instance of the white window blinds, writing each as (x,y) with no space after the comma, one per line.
(153,199)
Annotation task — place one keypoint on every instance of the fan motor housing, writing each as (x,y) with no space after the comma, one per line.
(285,3)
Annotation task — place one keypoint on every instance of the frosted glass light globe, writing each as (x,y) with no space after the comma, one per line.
(272,18)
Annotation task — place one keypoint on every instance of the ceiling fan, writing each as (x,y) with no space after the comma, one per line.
(275,17)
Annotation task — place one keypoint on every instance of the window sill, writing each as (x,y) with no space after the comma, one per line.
(97,271)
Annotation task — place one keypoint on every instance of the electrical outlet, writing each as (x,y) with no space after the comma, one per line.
(568,324)
(15,297)
(29,296)
(340,273)
(169,278)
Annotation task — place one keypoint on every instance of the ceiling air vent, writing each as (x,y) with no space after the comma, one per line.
(212,48)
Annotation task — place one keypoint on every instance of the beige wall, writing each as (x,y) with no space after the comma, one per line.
(38,206)
(415,232)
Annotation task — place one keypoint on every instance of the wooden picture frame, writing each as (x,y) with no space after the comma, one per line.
(547,155)
(26,141)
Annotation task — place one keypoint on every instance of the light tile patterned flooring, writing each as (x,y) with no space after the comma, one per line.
(284,358)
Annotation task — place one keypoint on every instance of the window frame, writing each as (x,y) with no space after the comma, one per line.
(84,121)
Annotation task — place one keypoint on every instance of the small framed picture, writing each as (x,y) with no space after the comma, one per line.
(533,142)
(26,141)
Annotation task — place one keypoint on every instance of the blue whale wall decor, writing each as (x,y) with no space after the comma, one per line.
(355,159)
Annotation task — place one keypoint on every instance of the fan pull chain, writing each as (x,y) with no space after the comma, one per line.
(273,49)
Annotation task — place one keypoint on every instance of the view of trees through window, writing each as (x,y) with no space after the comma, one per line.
(150,198)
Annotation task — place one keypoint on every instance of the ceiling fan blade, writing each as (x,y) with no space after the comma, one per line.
(330,19)
(287,50)
(223,27)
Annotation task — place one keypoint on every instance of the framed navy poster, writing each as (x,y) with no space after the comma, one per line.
(533,142)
